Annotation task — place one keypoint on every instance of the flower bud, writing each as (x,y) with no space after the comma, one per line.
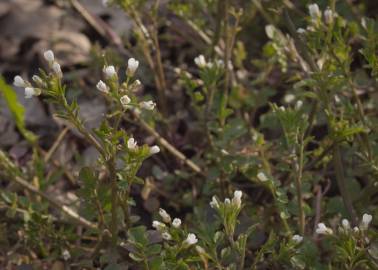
(314,11)
(297,238)
(345,223)
(262,177)
(214,203)
(176,222)
(191,239)
(164,215)
(109,72)
(132,144)
(237,198)
(66,255)
(30,92)
(323,229)
(102,87)
(19,81)
(328,16)
(154,150)
(366,219)
(132,66)
(49,56)
(158,225)
(57,70)
(147,105)
(37,80)
(135,86)
(200,61)
(125,100)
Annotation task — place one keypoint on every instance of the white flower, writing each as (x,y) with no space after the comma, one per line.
(147,105)
(282,108)
(158,225)
(191,239)
(154,150)
(301,31)
(214,203)
(200,61)
(322,229)
(176,222)
(299,104)
(164,215)
(105,3)
(345,223)
(125,100)
(297,238)
(237,198)
(166,236)
(102,87)
(30,92)
(109,71)
(356,229)
(289,98)
(132,144)
(366,219)
(328,16)
(19,81)
(262,177)
(314,11)
(57,69)
(66,255)
(49,56)
(132,66)
(227,201)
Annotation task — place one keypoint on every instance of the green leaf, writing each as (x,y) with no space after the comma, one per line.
(17,110)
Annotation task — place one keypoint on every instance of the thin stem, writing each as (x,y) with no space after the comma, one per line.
(298,182)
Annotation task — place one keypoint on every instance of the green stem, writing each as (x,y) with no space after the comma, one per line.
(298,182)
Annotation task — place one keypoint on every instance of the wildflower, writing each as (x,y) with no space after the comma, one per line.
(125,100)
(314,11)
(66,255)
(19,81)
(176,222)
(366,219)
(299,104)
(297,238)
(158,225)
(147,105)
(102,87)
(289,98)
(200,61)
(262,177)
(154,150)
(49,56)
(56,68)
(227,201)
(132,144)
(30,92)
(164,215)
(191,239)
(214,203)
(109,71)
(132,66)
(345,223)
(282,108)
(328,16)
(166,236)
(301,31)
(237,198)
(356,229)
(323,229)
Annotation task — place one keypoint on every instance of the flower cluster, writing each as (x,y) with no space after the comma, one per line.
(345,226)
(132,145)
(235,201)
(173,231)
(111,79)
